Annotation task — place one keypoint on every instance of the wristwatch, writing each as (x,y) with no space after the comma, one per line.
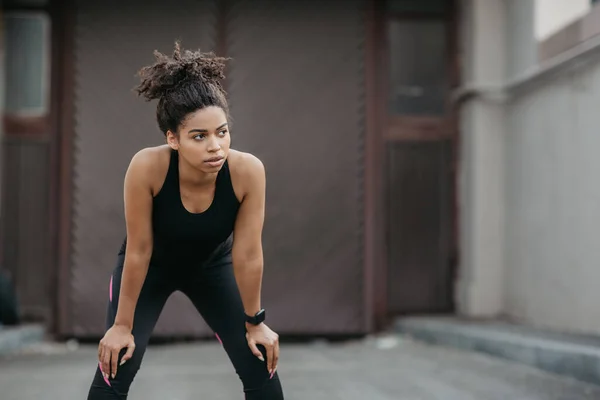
(257,319)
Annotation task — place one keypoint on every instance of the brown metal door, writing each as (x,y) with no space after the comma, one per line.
(419,142)
(295,88)
(27,134)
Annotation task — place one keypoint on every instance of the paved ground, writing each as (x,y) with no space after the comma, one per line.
(381,369)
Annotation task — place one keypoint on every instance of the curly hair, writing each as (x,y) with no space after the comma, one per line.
(183,83)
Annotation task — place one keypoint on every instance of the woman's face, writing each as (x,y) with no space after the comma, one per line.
(203,140)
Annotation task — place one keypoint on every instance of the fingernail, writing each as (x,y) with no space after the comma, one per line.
(261,359)
(113,376)
(272,373)
(122,362)
(105,375)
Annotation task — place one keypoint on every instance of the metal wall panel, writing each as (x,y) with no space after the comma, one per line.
(113,40)
(296,88)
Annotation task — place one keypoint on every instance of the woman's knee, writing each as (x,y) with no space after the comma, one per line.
(269,389)
(104,388)
(120,384)
(255,375)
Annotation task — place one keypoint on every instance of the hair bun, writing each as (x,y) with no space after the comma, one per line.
(167,73)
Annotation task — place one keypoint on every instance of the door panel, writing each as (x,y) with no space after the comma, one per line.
(420,197)
(419,138)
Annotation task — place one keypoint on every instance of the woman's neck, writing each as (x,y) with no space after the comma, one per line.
(191,177)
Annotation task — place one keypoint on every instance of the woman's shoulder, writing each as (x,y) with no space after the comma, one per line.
(151,159)
(151,164)
(244,164)
(246,169)
(153,153)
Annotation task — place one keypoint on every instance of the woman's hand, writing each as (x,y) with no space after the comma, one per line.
(115,339)
(262,334)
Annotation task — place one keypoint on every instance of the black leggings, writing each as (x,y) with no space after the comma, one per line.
(213,291)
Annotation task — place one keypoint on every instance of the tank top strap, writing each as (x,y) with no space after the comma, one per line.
(224,183)
(173,171)
(172,178)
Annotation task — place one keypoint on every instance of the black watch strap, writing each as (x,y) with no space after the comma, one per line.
(257,318)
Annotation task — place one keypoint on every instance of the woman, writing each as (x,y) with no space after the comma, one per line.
(194,211)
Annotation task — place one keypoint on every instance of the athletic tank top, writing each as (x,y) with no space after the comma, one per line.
(185,238)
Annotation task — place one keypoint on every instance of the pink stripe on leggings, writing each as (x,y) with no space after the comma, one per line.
(110,289)
(219,339)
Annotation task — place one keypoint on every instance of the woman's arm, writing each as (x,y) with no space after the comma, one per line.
(138,211)
(248,257)
(247,237)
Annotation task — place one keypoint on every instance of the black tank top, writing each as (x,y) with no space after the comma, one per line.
(185,238)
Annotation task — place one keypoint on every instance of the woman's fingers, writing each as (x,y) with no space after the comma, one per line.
(270,357)
(275,358)
(114,357)
(105,362)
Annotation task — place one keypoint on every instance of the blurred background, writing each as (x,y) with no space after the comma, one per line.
(430,167)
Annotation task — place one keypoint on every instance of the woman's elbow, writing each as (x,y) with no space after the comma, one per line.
(248,259)
(141,251)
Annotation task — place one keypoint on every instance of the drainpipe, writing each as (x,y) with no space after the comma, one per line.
(499,44)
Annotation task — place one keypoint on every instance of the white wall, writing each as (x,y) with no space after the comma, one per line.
(552,207)
(552,15)
(529,185)
(552,201)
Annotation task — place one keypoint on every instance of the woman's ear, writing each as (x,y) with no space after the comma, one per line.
(172,140)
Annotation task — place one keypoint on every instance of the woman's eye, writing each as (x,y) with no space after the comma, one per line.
(223,133)
(199,137)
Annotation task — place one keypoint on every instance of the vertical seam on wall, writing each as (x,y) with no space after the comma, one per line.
(361,21)
(77,34)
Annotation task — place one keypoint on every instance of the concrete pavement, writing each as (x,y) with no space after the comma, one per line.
(388,368)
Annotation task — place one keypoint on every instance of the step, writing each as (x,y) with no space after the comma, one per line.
(13,339)
(576,356)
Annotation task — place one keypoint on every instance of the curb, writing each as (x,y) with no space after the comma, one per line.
(16,338)
(563,354)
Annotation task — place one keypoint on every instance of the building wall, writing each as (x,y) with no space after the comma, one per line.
(552,202)
(529,161)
